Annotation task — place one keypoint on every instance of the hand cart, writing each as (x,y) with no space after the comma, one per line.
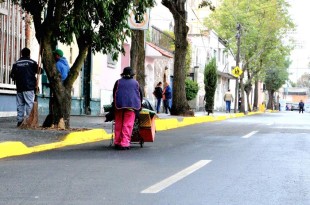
(143,130)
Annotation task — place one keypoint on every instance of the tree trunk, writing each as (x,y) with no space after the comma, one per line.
(255,103)
(248,101)
(270,104)
(60,105)
(242,107)
(248,89)
(179,103)
(60,101)
(137,57)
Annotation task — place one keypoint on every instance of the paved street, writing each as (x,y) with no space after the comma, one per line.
(254,160)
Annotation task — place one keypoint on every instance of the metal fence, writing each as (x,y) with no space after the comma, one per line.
(12,37)
(162,39)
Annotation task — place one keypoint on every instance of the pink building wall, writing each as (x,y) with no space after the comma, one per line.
(125,59)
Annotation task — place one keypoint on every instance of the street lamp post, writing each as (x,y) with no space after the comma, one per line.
(238,35)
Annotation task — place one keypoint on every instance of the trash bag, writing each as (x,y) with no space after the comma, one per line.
(145,104)
(110,115)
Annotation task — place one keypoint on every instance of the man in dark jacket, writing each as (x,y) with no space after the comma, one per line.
(24,74)
(301,106)
(158,93)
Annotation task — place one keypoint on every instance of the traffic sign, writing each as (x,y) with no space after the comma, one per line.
(136,23)
(237,71)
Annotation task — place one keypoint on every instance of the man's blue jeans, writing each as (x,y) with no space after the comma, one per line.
(228,106)
(167,103)
(158,105)
(24,102)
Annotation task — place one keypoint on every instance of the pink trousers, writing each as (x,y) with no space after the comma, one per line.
(124,121)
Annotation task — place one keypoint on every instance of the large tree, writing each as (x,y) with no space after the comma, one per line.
(97,26)
(179,103)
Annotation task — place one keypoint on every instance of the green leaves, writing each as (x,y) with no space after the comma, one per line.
(100,24)
(191,89)
(264,26)
(210,80)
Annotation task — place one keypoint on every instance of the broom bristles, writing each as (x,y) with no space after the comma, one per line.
(32,121)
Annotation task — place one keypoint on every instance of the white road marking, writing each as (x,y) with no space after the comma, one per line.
(174,178)
(250,134)
(269,124)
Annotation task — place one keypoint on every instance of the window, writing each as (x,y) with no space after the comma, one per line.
(111,62)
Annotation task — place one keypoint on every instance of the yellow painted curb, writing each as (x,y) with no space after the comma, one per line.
(86,136)
(240,114)
(166,124)
(9,149)
(219,118)
(76,138)
(12,148)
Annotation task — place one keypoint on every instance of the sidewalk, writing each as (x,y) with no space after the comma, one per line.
(15,141)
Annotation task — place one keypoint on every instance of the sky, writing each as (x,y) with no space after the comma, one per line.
(300,56)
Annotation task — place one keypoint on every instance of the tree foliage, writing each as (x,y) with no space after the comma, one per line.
(210,81)
(276,74)
(167,40)
(304,81)
(97,26)
(263,26)
(188,58)
(191,88)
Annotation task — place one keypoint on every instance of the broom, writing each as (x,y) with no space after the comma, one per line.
(33,120)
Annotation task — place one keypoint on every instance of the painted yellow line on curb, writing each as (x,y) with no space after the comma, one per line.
(172,123)
(10,149)
(15,148)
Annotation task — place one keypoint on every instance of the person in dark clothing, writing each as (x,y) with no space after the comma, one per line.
(167,96)
(24,72)
(158,92)
(128,97)
(301,106)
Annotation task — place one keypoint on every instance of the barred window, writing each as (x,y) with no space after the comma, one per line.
(12,35)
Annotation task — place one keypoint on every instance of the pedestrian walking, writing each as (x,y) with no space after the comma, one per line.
(167,96)
(228,98)
(301,106)
(128,97)
(23,73)
(62,64)
(158,93)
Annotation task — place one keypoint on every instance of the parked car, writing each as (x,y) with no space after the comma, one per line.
(288,106)
(294,106)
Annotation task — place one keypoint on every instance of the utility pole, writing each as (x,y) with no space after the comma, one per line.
(238,35)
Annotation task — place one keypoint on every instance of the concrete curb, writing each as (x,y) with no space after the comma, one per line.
(15,148)
(172,123)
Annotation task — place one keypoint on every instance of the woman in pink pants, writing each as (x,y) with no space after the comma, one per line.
(127,100)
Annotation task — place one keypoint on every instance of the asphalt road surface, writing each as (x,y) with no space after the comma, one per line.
(254,160)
